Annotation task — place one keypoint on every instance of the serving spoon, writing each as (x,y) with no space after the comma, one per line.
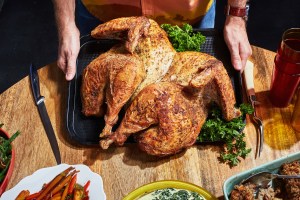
(263,179)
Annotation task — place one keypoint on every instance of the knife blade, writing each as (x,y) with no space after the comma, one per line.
(39,101)
(249,83)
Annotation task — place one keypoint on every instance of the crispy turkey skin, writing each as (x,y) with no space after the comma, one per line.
(147,47)
(167,93)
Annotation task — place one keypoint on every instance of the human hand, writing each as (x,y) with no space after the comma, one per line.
(236,38)
(68,49)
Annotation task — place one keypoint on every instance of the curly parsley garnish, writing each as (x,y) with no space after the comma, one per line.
(217,129)
(184,39)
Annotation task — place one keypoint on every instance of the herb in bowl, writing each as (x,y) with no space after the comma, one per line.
(217,129)
(5,153)
(184,39)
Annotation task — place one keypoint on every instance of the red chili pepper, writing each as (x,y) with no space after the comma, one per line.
(86,186)
(72,184)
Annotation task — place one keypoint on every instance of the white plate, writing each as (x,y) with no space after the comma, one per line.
(35,182)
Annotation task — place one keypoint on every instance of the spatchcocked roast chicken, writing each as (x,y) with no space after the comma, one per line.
(166,94)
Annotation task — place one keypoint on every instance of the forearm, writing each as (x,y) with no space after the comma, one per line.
(68,36)
(64,14)
(235,36)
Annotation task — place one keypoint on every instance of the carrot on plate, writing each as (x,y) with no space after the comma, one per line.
(56,198)
(53,182)
(61,187)
(63,182)
(64,195)
(33,196)
(23,194)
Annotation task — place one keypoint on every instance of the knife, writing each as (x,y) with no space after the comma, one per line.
(249,83)
(39,101)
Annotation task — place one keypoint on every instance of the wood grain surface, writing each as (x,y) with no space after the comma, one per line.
(125,168)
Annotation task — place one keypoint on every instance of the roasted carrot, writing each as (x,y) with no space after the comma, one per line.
(50,196)
(63,182)
(56,198)
(64,195)
(72,184)
(57,195)
(33,196)
(22,195)
(53,182)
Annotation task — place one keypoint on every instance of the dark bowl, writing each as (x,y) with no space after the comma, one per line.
(7,177)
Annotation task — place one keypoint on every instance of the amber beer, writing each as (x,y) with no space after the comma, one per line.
(286,71)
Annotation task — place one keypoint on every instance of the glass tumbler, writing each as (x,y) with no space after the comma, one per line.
(296,114)
(286,71)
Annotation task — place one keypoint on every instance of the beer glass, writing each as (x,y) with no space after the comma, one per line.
(286,71)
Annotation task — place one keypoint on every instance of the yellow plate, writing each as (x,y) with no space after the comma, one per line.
(145,189)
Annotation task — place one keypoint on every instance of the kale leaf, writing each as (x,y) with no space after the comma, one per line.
(184,39)
(217,129)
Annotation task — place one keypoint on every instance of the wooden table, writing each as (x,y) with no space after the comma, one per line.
(123,168)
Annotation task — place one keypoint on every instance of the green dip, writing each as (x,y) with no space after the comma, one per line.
(172,194)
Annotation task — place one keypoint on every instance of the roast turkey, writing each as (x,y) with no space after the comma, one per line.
(167,93)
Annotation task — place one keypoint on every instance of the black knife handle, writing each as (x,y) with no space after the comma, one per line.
(35,83)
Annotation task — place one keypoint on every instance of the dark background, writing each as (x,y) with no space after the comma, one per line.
(28,32)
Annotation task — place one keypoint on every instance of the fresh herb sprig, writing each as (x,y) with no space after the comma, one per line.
(184,39)
(5,153)
(217,129)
